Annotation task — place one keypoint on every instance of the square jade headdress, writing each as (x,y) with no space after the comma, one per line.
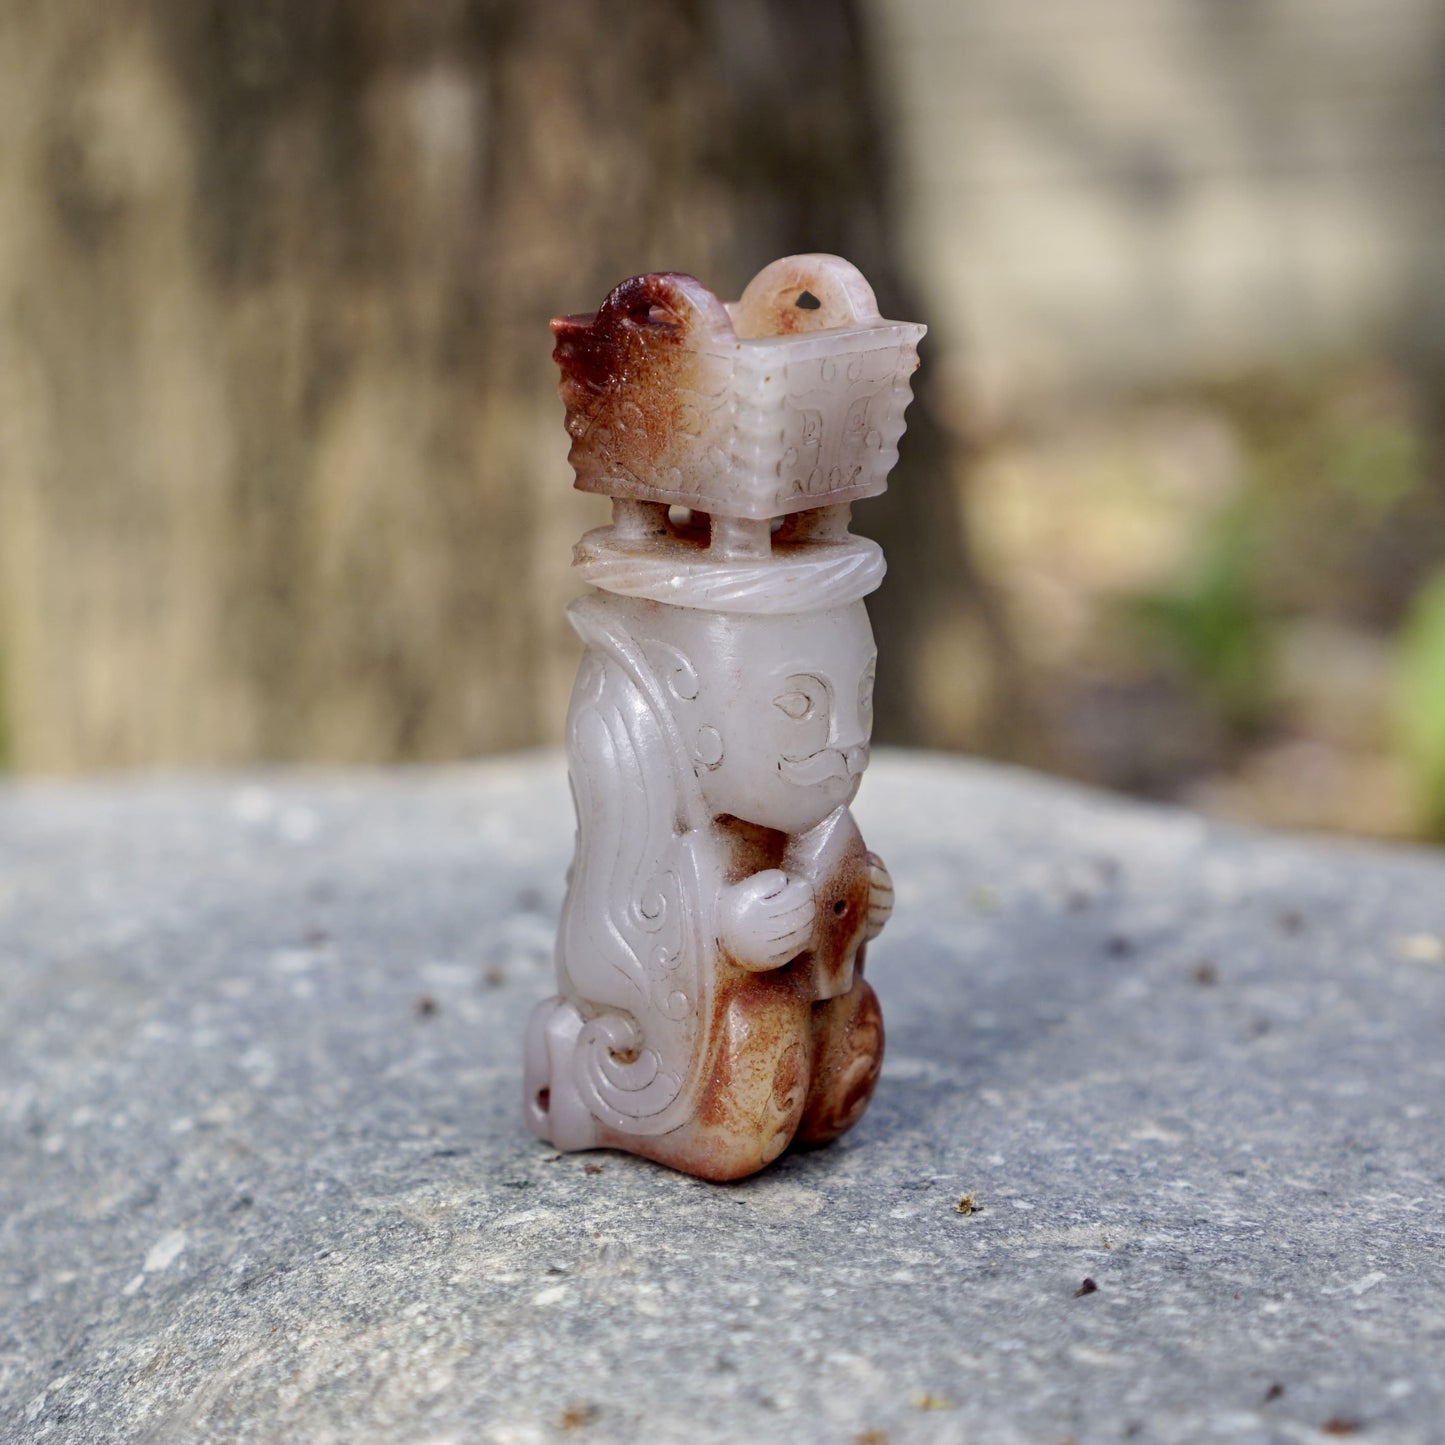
(734,437)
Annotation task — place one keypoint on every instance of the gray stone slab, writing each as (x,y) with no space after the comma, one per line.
(263,1176)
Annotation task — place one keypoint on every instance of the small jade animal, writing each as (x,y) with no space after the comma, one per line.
(711,1007)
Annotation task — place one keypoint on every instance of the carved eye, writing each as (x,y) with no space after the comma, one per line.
(806,697)
(651,313)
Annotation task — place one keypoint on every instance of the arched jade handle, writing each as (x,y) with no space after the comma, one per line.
(769,306)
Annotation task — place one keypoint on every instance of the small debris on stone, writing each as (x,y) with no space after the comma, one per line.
(1088,1287)
(1340,1425)
(494,978)
(924,1400)
(574,1417)
(1118,946)
(593,1168)
(870,1437)
(1205,974)
(967,1203)
(983,898)
(1289,921)
(424,1006)
(1421,948)
(1274,1392)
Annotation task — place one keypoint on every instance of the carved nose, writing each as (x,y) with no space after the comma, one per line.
(856,759)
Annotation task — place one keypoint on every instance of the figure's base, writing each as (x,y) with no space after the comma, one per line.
(784,1071)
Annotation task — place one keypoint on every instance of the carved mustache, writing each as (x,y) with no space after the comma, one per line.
(826,763)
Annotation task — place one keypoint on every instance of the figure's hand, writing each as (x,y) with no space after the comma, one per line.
(880,897)
(768,919)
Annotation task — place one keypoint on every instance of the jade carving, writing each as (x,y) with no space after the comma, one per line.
(711,1008)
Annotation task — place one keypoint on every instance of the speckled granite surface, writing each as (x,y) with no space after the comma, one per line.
(263,1175)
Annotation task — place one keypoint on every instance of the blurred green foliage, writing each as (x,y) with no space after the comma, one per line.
(1374,462)
(1329,521)
(1213,629)
(1421,698)
(1334,473)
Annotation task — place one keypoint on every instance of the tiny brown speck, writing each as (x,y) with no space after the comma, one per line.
(1340,1425)
(1289,921)
(1205,974)
(870,1437)
(967,1204)
(494,978)
(574,1417)
(1088,1287)
(593,1168)
(424,1005)
(1274,1392)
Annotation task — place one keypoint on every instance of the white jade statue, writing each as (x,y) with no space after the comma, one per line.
(711,1007)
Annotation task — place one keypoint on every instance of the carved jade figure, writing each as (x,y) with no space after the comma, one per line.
(711,1007)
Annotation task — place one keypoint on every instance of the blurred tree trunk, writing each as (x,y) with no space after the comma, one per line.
(282,473)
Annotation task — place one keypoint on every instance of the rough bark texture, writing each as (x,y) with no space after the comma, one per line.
(281,466)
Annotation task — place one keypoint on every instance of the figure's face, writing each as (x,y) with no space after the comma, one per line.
(785,710)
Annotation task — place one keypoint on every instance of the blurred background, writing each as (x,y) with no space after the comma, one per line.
(282,469)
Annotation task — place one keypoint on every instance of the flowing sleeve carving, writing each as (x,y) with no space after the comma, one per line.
(637,911)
